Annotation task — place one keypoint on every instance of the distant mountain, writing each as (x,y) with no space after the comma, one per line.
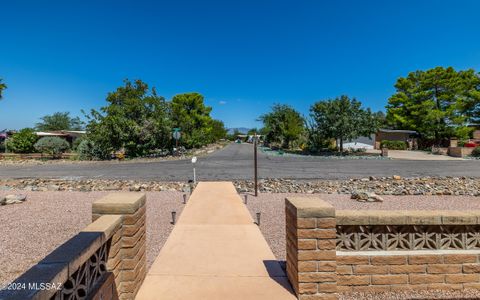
(242,130)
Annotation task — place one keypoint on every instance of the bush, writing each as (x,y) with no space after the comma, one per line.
(54,146)
(476,152)
(87,150)
(22,141)
(77,142)
(393,145)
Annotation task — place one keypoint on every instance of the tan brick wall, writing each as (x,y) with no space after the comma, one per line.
(317,270)
(311,266)
(373,273)
(128,260)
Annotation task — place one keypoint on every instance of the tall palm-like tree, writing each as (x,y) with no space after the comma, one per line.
(2,87)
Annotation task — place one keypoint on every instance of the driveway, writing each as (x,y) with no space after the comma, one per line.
(236,162)
(419,155)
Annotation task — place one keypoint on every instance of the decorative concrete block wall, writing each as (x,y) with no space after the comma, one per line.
(311,255)
(79,268)
(379,251)
(132,266)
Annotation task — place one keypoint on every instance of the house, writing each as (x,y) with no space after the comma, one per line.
(408,136)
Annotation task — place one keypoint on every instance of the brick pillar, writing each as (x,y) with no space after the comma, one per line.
(132,268)
(453,142)
(311,241)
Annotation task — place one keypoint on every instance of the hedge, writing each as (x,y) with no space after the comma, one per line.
(393,145)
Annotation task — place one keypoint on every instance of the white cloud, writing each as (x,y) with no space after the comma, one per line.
(221,102)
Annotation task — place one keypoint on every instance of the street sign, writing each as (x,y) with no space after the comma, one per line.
(176,135)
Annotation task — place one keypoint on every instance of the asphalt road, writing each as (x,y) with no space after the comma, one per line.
(236,162)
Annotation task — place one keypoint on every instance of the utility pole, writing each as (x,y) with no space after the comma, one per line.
(255,163)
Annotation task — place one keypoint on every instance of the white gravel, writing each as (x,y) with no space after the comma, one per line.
(31,230)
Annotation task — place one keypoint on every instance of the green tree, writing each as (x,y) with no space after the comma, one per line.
(438,103)
(136,119)
(380,119)
(22,141)
(342,119)
(54,146)
(252,131)
(283,125)
(192,116)
(218,130)
(59,121)
(3,86)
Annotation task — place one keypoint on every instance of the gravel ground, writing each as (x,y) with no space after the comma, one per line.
(34,228)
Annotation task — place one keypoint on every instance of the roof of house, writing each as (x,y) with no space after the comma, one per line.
(59,133)
(398,131)
(42,133)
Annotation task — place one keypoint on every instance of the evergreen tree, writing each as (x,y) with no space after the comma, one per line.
(438,103)
(3,86)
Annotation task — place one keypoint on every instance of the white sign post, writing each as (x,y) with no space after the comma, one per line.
(194,160)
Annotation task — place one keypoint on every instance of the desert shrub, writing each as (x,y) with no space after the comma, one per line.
(52,145)
(77,142)
(87,150)
(476,152)
(393,145)
(22,141)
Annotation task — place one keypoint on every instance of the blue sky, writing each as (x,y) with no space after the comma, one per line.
(243,56)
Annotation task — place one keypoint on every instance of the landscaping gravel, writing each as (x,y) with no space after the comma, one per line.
(394,185)
(46,220)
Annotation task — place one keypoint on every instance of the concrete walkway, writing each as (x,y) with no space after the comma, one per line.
(215,251)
